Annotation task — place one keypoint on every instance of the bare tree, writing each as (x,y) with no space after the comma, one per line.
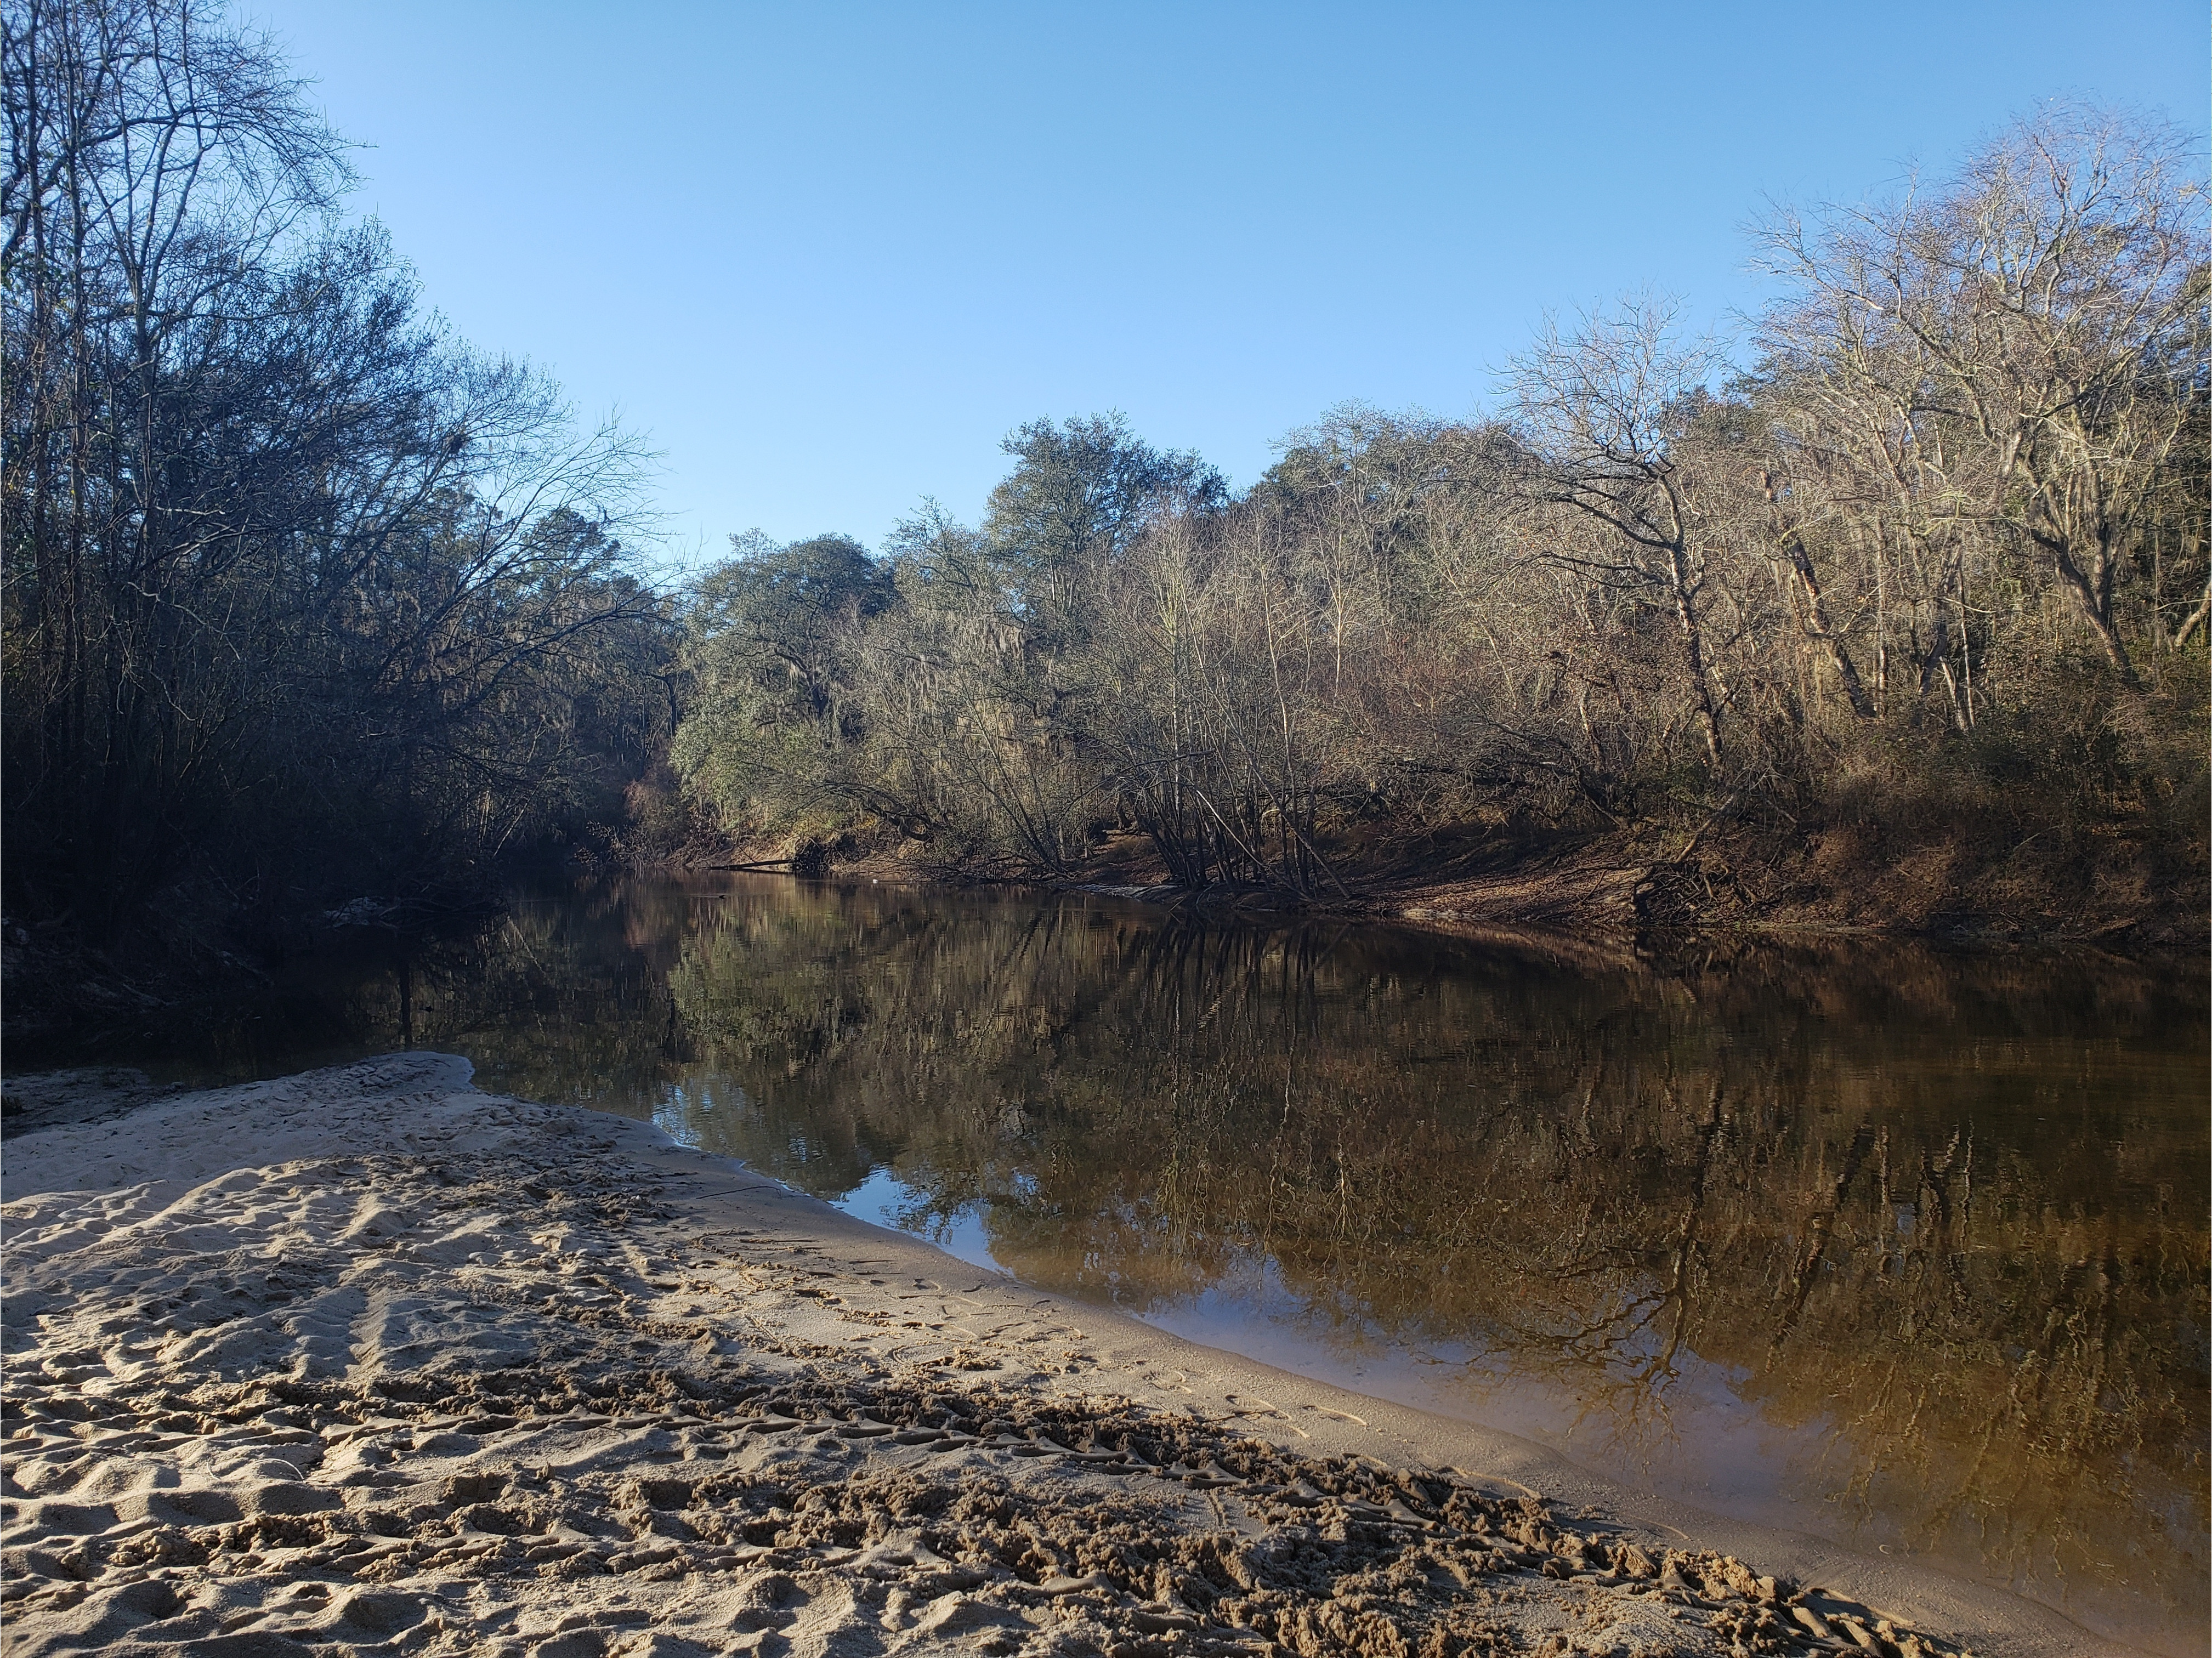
(281,560)
(2015,350)
(1602,409)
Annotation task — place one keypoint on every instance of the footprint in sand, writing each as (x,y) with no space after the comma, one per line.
(1335,1416)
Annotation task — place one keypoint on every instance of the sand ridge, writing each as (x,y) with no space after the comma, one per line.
(365,1360)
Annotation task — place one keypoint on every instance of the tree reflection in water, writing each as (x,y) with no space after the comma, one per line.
(1937,1225)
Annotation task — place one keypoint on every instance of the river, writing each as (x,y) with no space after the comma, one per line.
(1905,1248)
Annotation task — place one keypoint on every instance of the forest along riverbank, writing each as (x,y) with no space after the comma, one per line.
(367,1359)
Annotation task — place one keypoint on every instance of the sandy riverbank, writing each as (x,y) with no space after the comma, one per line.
(365,1360)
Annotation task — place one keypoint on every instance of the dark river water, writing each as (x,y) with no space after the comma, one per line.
(1905,1248)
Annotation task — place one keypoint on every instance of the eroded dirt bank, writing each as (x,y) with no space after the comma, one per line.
(1669,893)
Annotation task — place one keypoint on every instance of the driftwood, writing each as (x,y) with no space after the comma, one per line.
(773,863)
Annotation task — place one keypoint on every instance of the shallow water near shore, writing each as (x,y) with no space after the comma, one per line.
(1902,1248)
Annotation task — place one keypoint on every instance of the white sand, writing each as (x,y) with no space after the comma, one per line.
(367,1361)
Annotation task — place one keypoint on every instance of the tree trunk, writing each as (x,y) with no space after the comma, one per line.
(1694,653)
(2195,619)
(1814,614)
(2093,597)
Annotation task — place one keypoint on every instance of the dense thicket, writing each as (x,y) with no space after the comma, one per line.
(304,601)
(1939,555)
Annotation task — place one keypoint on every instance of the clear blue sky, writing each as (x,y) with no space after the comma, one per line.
(828,254)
